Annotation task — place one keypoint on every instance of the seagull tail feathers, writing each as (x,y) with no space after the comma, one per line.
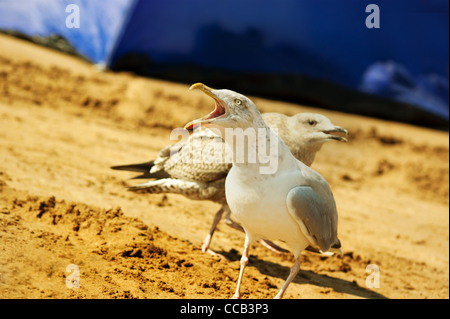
(143,168)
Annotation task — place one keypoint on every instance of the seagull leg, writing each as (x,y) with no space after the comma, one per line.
(231,222)
(244,262)
(294,271)
(207,241)
(273,247)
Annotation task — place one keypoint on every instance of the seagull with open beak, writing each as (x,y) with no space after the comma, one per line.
(292,203)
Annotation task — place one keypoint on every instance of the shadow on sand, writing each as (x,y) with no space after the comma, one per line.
(306,276)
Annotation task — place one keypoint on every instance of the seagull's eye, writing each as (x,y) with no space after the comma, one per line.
(238,102)
(312,122)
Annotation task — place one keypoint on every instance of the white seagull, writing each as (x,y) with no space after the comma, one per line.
(287,201)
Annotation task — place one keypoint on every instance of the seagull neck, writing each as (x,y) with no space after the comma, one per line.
(257,148)
(306,154)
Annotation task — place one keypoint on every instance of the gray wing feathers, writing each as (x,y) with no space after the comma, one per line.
(316,216)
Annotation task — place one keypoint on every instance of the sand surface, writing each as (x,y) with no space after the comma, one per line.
(63,124)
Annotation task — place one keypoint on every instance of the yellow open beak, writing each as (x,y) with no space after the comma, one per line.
(200,86)
(218,111)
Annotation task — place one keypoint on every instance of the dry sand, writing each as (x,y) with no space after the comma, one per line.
(63,124)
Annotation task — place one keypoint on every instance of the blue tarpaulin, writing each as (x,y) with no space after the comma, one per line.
(405,58)
(101,22)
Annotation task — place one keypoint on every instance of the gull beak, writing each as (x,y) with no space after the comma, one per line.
(219,110)
(337,129)
(205,89)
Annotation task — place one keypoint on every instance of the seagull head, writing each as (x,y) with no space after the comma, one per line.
(231,109)
(317,129)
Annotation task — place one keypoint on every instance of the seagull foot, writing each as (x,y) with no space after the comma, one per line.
(213,253)
(206,242)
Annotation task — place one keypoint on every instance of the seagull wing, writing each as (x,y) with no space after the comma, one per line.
(202,158)
(315,214)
